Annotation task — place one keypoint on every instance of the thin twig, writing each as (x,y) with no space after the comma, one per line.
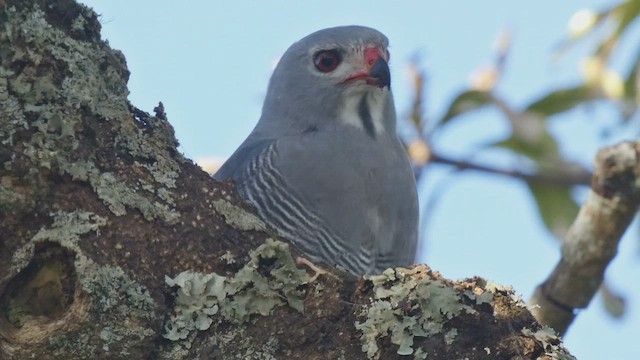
(561,178)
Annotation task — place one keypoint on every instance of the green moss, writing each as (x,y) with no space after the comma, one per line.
(268,280)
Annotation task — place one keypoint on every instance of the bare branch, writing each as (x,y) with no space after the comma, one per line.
(560,178)
(592,240)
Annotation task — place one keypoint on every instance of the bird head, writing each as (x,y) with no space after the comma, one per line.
(331,78)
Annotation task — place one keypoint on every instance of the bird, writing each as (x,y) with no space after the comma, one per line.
(324,165)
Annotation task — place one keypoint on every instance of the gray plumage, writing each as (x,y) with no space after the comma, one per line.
(324,165)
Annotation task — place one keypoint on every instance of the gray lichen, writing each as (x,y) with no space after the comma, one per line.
(228,258)
(420,354)
(116,299)
(235,344)
(254,289)
(120,303)
(88,85)
(550,342)
(407,304)
(238,217)
(493,288)
(122,309)
(11,110)
(65,230)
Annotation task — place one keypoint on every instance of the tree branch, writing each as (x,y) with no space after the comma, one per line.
(113,246)
(560,178)
(592,240)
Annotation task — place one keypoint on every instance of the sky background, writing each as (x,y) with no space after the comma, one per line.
(209,63)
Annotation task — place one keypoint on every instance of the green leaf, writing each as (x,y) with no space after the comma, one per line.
(467,101)
(555,206)
(561,100)
(631,83)
(627,14)
(631,90)
(543,149)
(623,15)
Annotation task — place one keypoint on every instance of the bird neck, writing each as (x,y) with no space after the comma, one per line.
(371,112)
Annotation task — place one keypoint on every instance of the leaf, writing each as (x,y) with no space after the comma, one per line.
(627,13)
(467,101)
(561,100)
(542,149)
(623,14)
(555,206)
(614,303)
(631,84)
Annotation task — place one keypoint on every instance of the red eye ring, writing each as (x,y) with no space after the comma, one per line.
(326,60)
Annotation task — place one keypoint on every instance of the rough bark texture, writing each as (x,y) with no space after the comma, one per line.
(113,246)
(592,241)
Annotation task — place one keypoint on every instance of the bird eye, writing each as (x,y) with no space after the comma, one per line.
(326,60)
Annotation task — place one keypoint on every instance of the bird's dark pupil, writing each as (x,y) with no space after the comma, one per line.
(327,61)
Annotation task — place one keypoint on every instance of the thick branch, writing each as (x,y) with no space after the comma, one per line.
(592,241)
(113,246)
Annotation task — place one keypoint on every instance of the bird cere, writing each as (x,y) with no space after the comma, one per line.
(324,165)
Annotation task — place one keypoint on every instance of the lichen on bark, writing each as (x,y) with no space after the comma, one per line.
(97,206)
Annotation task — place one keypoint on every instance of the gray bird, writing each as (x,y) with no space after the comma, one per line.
(324,165)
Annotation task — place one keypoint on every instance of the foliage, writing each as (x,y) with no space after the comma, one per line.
(549,175)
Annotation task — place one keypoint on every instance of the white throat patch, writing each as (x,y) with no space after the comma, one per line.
(364,110)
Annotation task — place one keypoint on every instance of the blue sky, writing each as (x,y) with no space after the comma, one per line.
(209,63)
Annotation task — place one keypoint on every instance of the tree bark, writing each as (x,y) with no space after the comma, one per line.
(114,246)
(592,240)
